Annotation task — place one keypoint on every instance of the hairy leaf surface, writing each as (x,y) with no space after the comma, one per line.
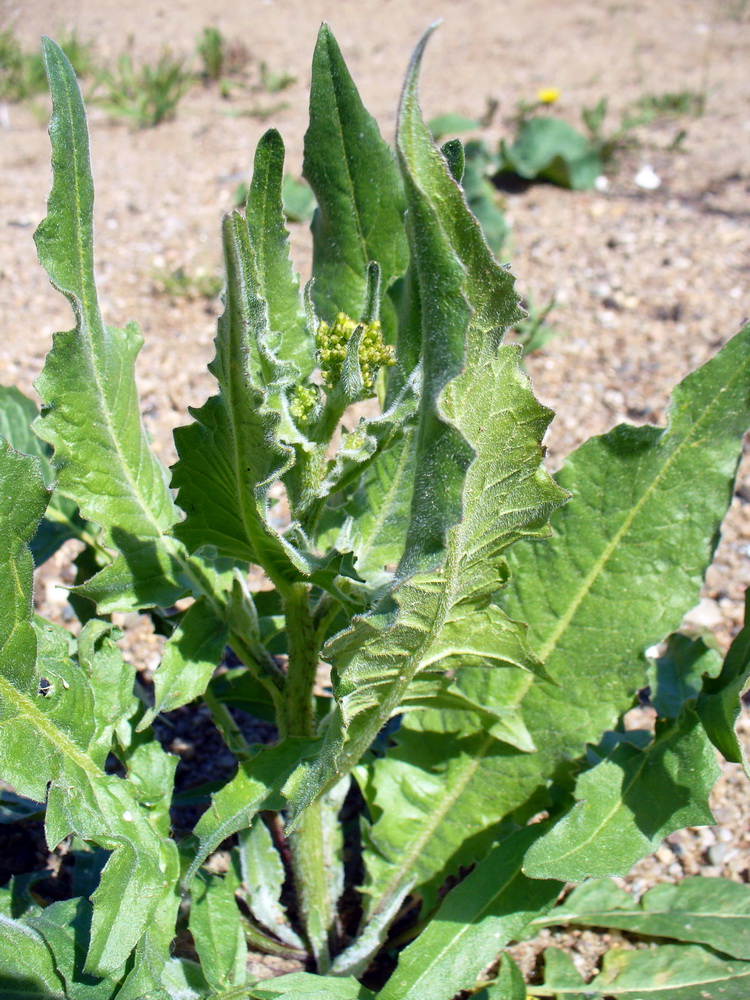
(475,921)
(53,739)
(357,221)
(90,411)
(629,552)
(479,482)
(709,911)
(628,803)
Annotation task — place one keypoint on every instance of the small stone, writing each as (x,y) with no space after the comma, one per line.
(716,853)
(647,178)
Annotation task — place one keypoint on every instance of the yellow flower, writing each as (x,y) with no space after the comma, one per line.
(548,95)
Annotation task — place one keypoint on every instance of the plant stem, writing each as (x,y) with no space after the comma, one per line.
(306,844)
(299,708)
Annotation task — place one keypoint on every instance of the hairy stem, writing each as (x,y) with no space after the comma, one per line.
(306,844)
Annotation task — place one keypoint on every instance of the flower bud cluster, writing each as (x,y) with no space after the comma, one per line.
(332,343)
(303,403)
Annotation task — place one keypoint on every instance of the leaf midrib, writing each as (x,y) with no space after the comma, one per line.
(599,565)
(90,311)
(427,830)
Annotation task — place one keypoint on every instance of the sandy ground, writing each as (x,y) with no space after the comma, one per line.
(648,283)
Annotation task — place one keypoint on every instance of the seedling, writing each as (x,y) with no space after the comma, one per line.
(485,625)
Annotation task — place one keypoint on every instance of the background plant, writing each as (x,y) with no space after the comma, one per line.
(22,74)
(416,552)
(145,94)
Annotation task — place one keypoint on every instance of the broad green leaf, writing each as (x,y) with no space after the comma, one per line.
(479,482)
(27,968)
(436,800)
(473,166)
(263,879)
(628,803)
(184,980)
(550,149)
(277,282)
(357,221)
(669,972)
(298,199)
(476,919)
(23,499)
(217,929)
(627,558)
(508,985)
(449,124)
(90,411)
(719,703)
(708,911)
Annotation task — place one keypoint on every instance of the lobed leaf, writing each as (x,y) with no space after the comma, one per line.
(90,411)
(52,741)
(61,520)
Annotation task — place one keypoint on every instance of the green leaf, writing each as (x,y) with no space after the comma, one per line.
(479,482)
(61,520)
(676,677)
(628,803)
(476,919)
(191,655)
(670,972)
(306,986)
(263,878)
(90,411)
(562,977)
(626,560)
(550,149)
(708,911)
(298,199)
(256,786)
(23,499)
(277,282)
(231,455)
(719,703)
(217,929)
(27,968)
(437,796)
(448,124)
(357,221)
(508,984)
(64,926)
(49,740)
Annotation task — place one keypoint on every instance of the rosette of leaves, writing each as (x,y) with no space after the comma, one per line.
(484,624)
